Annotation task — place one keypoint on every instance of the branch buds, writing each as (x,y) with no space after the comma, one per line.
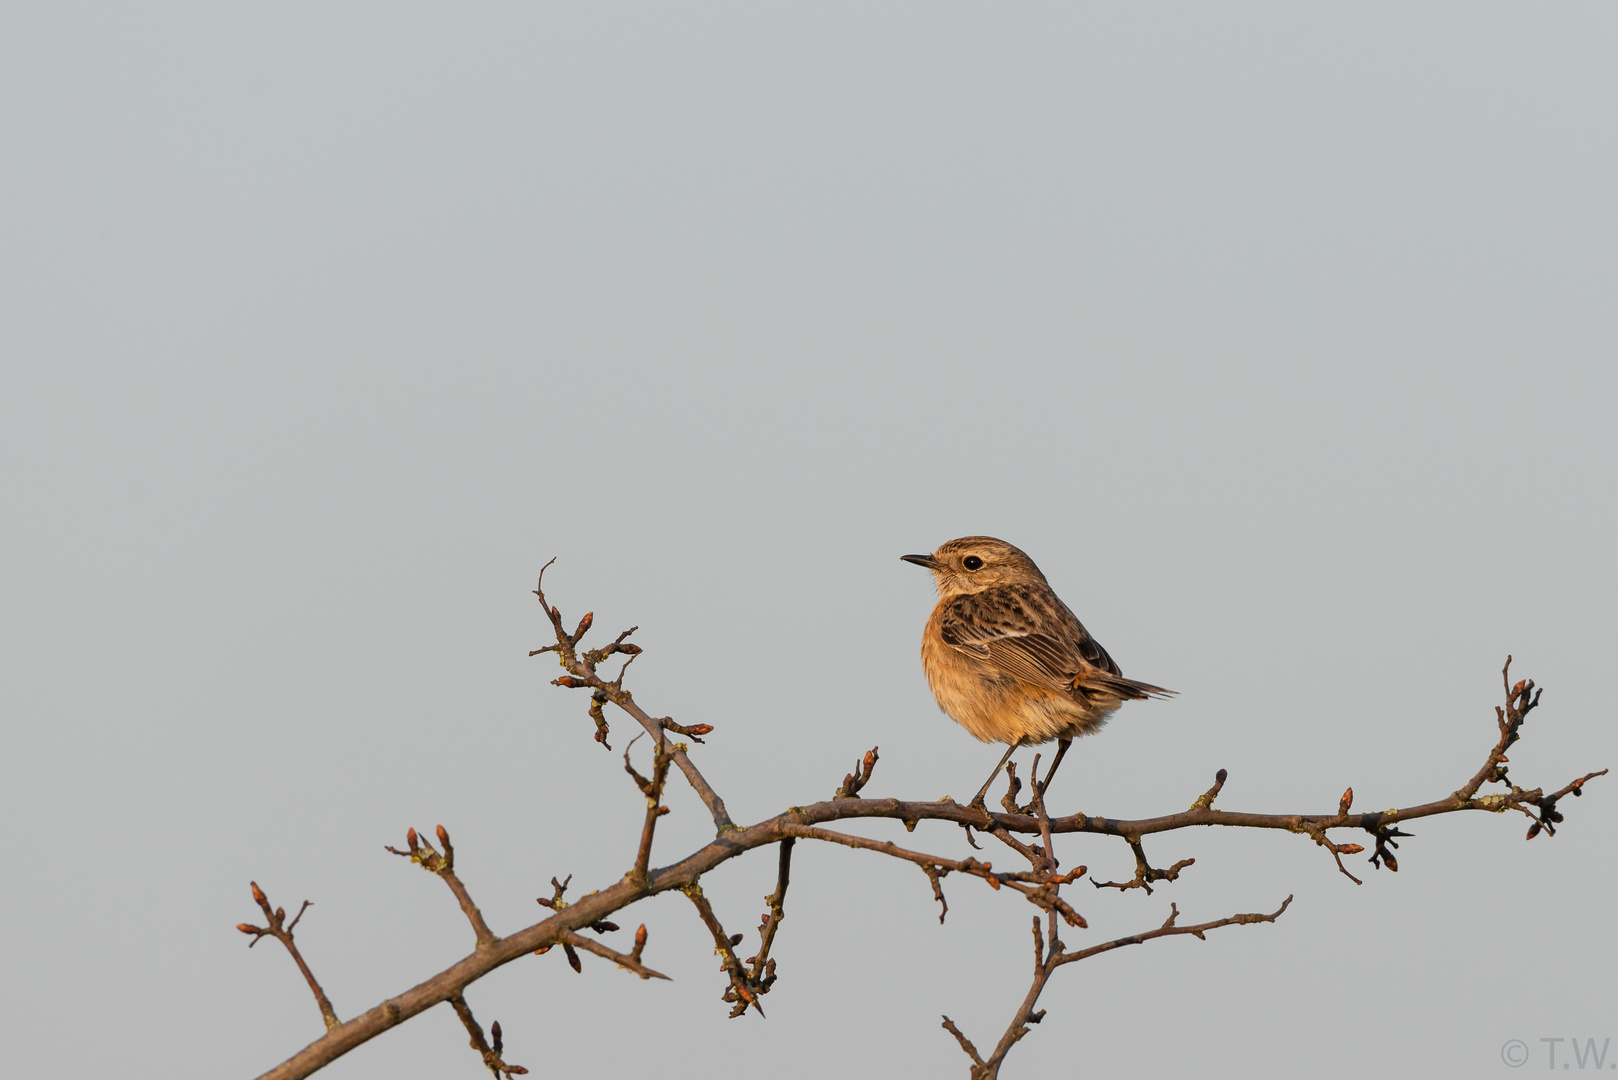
(423,854)
(854,781)
(1345,802)
(640,943)
(555,903)
(695,731)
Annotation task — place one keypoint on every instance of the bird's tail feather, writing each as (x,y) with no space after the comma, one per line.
(1108,683)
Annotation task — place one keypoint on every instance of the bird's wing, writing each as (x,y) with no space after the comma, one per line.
(1020,635)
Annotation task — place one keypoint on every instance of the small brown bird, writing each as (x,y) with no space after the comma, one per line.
(1007,660)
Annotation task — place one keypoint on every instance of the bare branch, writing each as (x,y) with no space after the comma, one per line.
(491,1055)
(1169,929)
(762,968)
(853,782)
(422,853)
(653,790)
(627,961)
(743,991)
(1040,884)
(1206,799)
(581,670)
(1046,964)
(966,1045)
(281,930)
(1145,873)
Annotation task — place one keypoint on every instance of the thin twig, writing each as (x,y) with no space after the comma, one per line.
(281,930)
(492,1055)
(581,668)
(762,968)
(627,961)
(743,992)
(653,790)
(422,853)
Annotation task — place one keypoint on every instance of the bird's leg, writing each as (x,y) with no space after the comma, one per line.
(977,803)
(1061,750)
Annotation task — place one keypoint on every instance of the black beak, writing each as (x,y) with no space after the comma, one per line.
(923,560)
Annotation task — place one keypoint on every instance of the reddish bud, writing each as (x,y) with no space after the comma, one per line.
(584,625)
(258,893)
(410,838)
(1346,801)
(494,1033)
(572,958)
(701,729)
(443,836)
(280,913)
(1351,849)
(735,940)
(543,949)
(640,938)
(516,1070)
(1533,830)
(246,929)
(994,882)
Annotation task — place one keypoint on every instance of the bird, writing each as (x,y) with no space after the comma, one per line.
(1008,661)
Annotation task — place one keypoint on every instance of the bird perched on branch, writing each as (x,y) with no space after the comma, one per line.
(1007,660)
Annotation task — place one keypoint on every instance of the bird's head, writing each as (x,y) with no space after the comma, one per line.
(974,563)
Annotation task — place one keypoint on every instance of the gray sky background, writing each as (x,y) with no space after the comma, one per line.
(1282,337)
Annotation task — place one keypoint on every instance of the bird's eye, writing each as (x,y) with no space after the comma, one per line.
(972,562)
